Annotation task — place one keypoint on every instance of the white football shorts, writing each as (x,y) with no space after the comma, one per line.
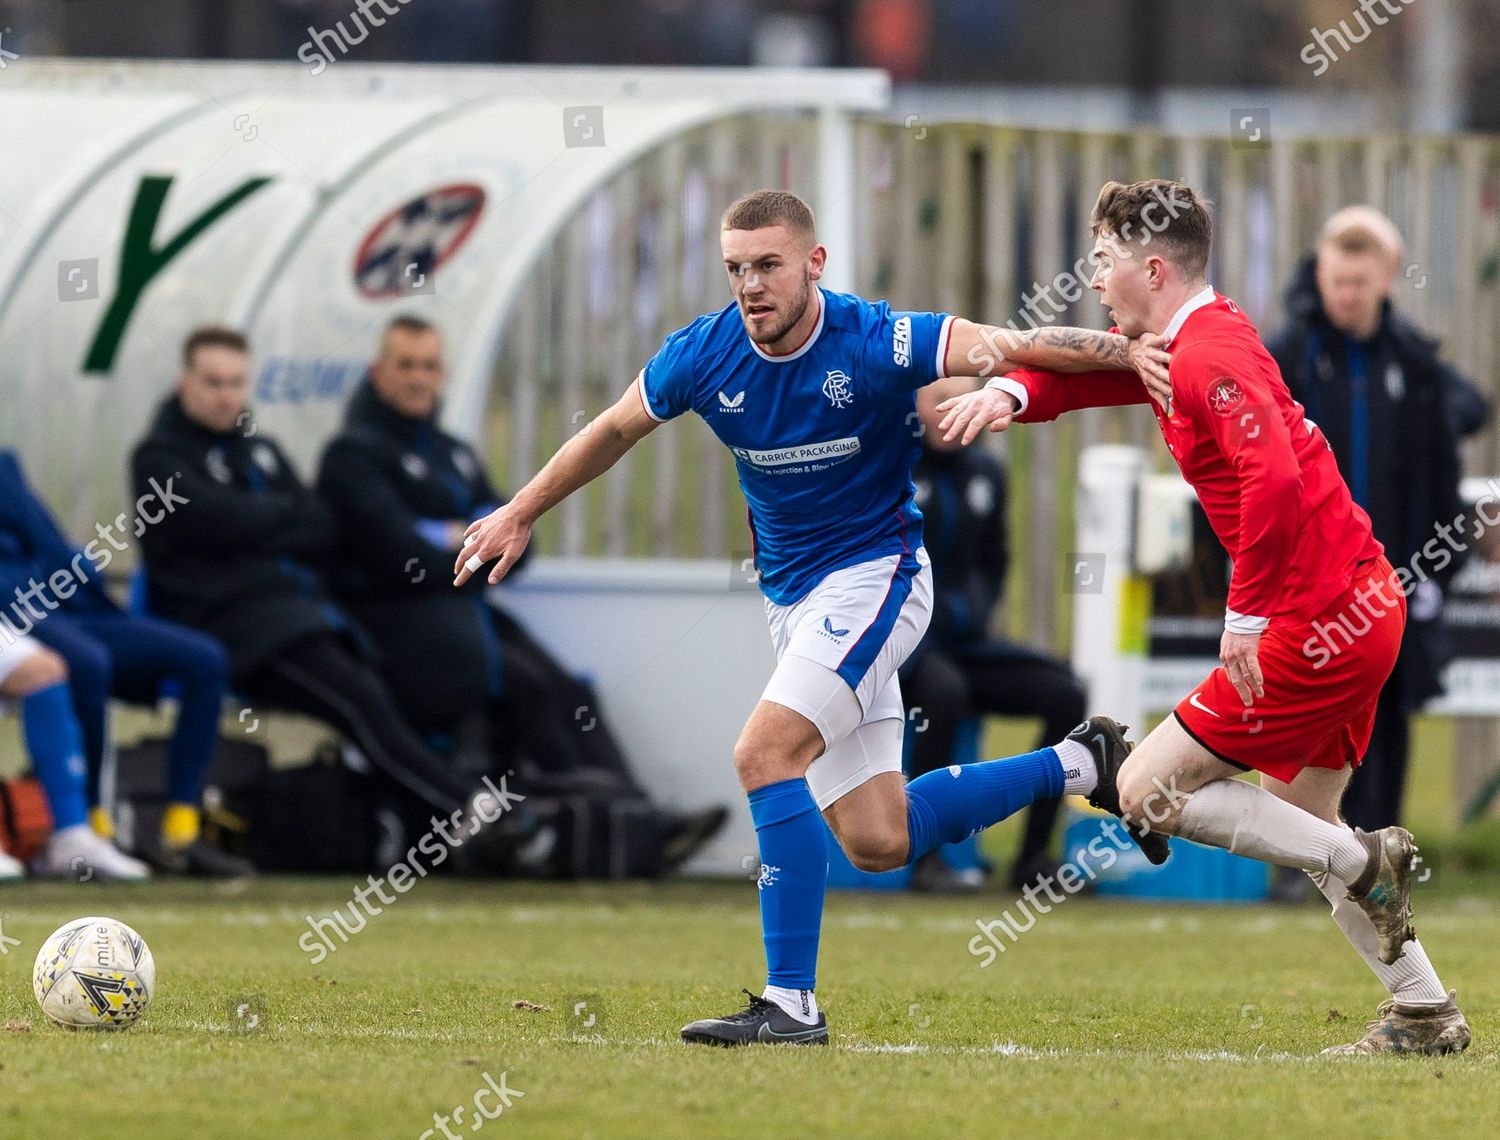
(837,653)
(14,649)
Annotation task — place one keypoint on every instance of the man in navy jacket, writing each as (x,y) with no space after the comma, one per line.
(1393,412)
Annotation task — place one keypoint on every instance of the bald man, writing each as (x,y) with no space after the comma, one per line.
(1392,411)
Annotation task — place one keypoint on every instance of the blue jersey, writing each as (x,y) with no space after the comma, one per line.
(824,437)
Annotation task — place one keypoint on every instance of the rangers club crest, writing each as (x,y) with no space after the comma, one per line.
(836,388)
(1226,395)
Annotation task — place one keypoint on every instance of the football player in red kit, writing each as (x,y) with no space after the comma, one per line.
(1315,611)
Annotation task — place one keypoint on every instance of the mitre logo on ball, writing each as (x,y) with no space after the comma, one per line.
(94,973)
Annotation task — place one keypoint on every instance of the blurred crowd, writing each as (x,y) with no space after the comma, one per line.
(1139,48)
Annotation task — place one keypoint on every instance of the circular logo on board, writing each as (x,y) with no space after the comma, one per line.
(405,249)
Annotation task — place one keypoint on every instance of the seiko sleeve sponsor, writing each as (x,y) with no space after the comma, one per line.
(901,342)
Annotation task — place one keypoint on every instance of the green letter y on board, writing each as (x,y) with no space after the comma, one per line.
(141,261)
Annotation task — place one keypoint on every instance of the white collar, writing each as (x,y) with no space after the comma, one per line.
(1189,307)
(806,344)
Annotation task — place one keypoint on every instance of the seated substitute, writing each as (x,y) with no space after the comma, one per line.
(404,491)
(61,601)
(958,670)
(36,679)
(243,558)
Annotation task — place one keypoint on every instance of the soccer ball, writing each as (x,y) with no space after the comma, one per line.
(94,973)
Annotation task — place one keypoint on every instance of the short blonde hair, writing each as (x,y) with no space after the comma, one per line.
(1362,229)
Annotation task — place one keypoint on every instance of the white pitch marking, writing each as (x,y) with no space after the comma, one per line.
(1010,1049)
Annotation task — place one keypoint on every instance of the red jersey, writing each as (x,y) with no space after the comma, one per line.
(1264,473)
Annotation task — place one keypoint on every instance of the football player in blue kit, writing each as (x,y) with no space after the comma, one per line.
(814,393)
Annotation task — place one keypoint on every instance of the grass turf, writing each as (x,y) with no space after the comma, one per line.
(1109,1018)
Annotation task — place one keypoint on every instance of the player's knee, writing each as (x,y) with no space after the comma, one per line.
(41,670)
(759,764)
(877,851)
(1137,793)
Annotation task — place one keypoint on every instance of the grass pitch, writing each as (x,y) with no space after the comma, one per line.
(1107,1018)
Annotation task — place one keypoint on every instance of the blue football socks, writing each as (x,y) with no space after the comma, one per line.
(55,743)
(949,804)
(793,877)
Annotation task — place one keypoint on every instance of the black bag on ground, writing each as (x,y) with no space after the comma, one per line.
(320,817)
(324,817)
(597,839)
(235,777)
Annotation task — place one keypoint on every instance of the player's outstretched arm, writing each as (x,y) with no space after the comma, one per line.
(504,533)
(988,350)
(965,416)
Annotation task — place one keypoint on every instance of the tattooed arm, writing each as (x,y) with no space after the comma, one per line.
(987,350)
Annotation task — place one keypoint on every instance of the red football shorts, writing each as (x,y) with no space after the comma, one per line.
(1322,679)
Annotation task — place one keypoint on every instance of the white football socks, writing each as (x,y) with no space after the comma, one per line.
(1411,979)
(799,1004)
(1250,821)
(1080,771)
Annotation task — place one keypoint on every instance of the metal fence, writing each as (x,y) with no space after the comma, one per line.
(969,219)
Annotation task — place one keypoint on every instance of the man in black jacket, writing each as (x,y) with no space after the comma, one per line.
(404,491)
(1393,413)
(959,670)
(244,560)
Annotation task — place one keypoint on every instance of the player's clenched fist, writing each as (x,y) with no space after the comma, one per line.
(971,413)
(502,534)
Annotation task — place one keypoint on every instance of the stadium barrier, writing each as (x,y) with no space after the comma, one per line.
(678,653)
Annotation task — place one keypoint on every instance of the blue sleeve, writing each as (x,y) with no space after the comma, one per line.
(669,380)
(906,349)
(32,546)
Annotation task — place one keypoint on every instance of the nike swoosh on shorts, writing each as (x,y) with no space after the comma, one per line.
(1197,704)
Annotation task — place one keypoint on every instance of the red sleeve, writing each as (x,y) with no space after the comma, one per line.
(1048,395)
(1227,394)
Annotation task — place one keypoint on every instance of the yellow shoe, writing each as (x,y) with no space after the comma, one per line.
(102,823)
(179,825)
